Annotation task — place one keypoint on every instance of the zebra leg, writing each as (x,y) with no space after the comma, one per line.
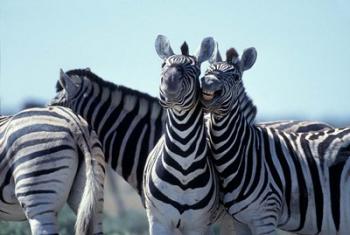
(42,205)
(45,223)
(42,188)
(207,231)
(261,228)
(264,232)
(225,223)
(157,228)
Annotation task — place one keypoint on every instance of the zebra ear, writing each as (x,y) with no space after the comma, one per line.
(216,57)
(67,83)
(206,50)
(248,58)
(163,47)
(232,56)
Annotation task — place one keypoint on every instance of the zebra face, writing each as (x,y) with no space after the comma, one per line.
(219,87)
(222,81)
(179,84)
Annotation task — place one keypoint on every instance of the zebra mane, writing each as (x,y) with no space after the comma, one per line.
(4,119)
(112,86)
(247,106)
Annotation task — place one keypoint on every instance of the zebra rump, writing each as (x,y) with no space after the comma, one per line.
(49,156)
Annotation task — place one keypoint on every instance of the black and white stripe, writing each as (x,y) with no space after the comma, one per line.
(40,169)
(296,126)
(294,181)
(128,123)
(180,186)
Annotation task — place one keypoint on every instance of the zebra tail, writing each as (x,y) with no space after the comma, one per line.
(87,210)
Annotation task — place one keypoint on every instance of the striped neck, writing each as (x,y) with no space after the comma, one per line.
(247,107)
(233,141)
(128,123)
(185,138)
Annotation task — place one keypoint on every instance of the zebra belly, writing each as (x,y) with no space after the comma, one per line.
(249,215)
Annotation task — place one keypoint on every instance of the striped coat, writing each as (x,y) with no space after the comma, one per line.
(49,156)
(270,178)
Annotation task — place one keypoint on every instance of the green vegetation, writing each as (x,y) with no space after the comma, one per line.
(66,220)
(14,228)
(132,223)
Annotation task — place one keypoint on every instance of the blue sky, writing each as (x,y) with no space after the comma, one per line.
(303,47)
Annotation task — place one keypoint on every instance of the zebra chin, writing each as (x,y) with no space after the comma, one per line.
(169,102)
(215,109)
(210,105)
(178,103)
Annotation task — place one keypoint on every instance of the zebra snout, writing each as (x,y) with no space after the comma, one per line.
(210,86)
(171,82)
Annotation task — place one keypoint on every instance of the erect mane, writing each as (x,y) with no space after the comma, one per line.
(112,86)
(247,106)
(4,119)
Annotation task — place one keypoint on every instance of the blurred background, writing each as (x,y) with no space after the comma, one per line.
(301,72)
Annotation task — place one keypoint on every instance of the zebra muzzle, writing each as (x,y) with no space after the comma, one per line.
(207,95)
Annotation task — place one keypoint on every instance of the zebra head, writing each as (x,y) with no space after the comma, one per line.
(179,86)
(223,80)
(69,88)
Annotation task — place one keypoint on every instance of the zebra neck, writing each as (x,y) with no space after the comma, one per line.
(127,124)
(232,141)
(185,135)
(248,109)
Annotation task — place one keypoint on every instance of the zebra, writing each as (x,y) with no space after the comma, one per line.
(49,155)
(269,178)
(128,122)
(249,110)
(118,114)
(181,190)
